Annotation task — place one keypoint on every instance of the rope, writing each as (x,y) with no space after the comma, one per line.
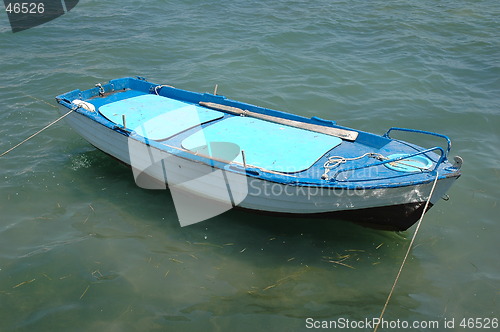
(407,252)
(158,87)
(335,161)
(38,132)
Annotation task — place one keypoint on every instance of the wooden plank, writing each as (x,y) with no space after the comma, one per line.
(348,135)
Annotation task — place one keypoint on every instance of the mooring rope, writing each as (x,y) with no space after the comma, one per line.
(38,132)
(407,252)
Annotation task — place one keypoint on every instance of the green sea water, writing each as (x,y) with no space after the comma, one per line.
(82,248)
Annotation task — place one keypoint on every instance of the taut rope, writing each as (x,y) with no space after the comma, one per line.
(407,252)
(38,132)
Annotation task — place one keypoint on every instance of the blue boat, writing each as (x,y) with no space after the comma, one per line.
(214,154)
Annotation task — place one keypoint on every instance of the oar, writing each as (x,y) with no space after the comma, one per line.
(348,135)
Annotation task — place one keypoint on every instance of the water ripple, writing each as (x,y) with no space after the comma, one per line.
(370,65)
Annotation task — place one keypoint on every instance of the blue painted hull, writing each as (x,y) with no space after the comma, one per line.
(292,165)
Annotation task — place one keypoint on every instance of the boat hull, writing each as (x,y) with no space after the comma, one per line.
(388,218)
(390,208)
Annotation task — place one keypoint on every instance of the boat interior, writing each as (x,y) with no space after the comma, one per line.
(277,145)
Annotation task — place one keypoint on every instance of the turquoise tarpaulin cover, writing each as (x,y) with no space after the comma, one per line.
(157,117)
(266,144)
